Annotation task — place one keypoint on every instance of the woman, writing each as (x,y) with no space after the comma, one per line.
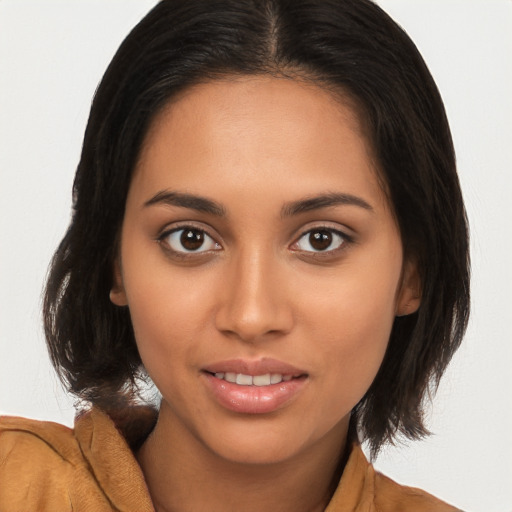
(268,224)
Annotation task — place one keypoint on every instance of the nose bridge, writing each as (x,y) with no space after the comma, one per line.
(255,302)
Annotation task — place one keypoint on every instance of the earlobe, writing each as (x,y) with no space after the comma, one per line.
(409,298)
(117,293)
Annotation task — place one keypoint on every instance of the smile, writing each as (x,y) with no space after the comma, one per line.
(254,387)
(253,380)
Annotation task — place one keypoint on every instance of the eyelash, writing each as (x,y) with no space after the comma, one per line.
(345,240)
(190,253)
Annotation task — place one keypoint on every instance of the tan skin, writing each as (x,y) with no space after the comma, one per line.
(312,284)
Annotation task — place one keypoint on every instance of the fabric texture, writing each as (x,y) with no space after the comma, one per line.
(47,467)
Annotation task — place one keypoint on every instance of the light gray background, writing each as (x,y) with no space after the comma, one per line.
(52,55)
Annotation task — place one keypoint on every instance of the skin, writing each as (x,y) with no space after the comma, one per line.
(258,288)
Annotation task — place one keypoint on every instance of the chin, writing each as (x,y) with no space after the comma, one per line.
(265,440)
(260,452)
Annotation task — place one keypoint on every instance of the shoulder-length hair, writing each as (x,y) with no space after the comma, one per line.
(349,46)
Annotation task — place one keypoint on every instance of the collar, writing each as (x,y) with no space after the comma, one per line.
(108,443)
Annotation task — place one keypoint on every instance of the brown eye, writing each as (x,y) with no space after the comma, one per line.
(320,240)
(191,239)
(186,240)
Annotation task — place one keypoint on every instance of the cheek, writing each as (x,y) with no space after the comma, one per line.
(351,331)
(167,311)
(352,353)
(355,342)
(166,343)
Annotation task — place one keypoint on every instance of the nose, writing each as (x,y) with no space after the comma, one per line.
(254,303)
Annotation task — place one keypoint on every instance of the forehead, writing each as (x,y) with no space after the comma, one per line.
(260,99)
(253,130)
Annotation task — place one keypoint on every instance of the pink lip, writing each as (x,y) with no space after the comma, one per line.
(257,367)
(254,399)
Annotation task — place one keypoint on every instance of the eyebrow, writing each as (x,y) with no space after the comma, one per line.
(205,205)
(323,201)
(191,201)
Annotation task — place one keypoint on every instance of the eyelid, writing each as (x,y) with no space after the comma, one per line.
(348,238)
(345,231)
(183,225)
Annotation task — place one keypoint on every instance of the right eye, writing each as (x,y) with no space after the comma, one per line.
(189,240)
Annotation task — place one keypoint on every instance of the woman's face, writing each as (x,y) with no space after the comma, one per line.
(262,266)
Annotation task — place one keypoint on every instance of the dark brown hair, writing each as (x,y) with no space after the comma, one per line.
(350,46)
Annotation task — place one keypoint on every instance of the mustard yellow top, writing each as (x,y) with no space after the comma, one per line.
(47,467)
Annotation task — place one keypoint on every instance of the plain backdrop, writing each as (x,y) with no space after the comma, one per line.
(52,56)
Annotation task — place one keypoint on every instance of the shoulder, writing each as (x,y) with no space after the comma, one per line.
(363,488)
(43,467)
(394,497)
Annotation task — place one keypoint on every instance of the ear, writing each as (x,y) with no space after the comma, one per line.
(409,294)
(117,292)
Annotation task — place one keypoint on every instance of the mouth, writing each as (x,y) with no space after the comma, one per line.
(243,379)
(254,372)
(254,387)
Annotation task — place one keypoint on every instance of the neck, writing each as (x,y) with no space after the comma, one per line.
(183,475)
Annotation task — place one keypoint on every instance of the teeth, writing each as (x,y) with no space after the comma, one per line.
(261,380)
(257,380)
(230,377)
(276,378)
(243,380)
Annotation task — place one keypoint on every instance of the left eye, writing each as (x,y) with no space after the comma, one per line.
(189,240)
(320,240)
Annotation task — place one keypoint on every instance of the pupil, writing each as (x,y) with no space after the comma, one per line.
(192,240)
(320,240)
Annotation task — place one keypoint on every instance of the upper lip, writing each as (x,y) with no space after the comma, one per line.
(254,367)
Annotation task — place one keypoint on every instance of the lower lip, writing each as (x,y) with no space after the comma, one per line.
(254,399)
